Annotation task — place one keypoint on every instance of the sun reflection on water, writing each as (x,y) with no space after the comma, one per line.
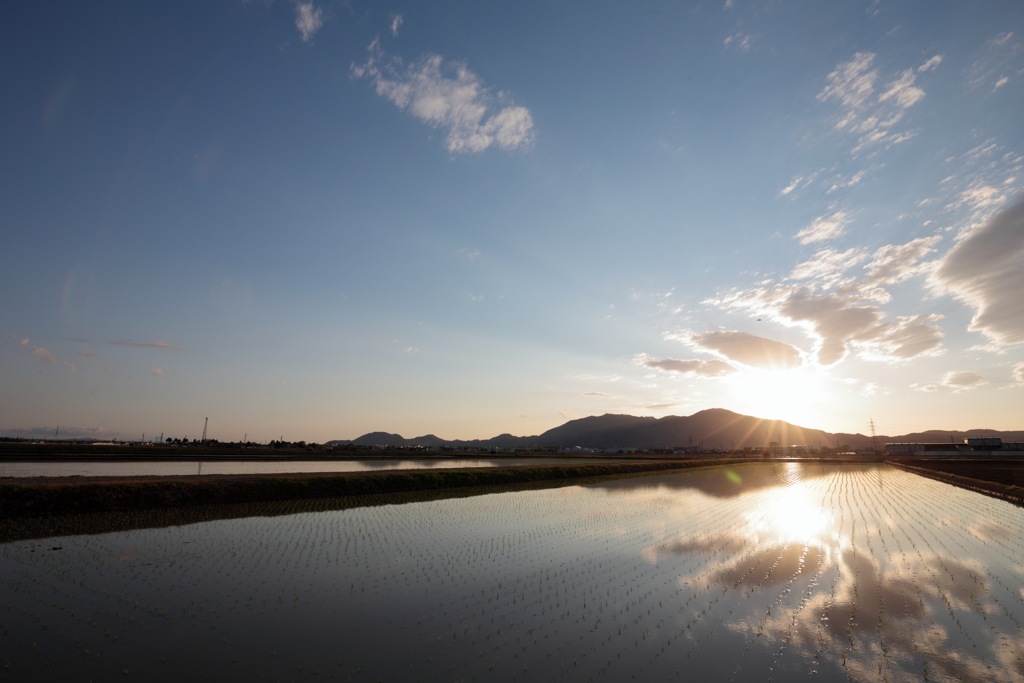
(788,515)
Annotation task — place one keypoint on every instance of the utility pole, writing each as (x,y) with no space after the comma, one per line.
(874,439)
(206,421)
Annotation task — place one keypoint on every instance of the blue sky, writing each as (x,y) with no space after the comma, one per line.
(312,220)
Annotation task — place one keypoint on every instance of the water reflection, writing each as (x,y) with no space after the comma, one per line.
(846,573)
(147,468)
(790,515)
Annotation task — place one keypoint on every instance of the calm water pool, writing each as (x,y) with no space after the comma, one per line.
(751,573)
(124,468)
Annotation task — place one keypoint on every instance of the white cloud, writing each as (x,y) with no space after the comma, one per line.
(931,63)
(308,20)
(903,91)
(1001,56)
(851,83)
(840,184)
(870,389)
(984,271)
(748,349)
(827,266)
(834,319)
(963,381)
(39,352)
(158,372)
(898,262)
(1018,374)
(823,228)
(699,368)
(44,355)
(450,97)
(741,41)
(979,198)
(396,23)
(795,183)
(841,311)
(1003,39)
(908,337)
(864,112)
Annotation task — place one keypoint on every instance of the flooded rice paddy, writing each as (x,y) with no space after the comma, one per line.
(784,571)
(145,468)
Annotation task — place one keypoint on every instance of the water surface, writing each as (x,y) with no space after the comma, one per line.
(140,468)
(751,573)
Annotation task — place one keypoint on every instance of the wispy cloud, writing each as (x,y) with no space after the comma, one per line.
(396,23)
(740,41)
(308,20)
(822,228)
(39,352)
(898,262)
(158,345)
(984,271)
(451,97)
(158,372)
(827,267)
(902,91)
(867,113)
(798,183)
(1018,374)
(931,63)
(852,83)
(843,183)
(1000,61)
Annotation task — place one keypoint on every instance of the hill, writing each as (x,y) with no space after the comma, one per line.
(712,429)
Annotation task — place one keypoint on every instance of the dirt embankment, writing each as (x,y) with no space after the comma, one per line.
(999,478)
(21,497)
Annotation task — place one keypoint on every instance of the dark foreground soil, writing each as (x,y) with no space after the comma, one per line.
(999,478)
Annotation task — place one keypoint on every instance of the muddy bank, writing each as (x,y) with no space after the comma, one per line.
(35,497)
(997,478)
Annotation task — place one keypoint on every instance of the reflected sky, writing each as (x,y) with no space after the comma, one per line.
(128,468)
(861,573)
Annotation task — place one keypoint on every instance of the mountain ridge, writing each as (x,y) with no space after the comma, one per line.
(709,429)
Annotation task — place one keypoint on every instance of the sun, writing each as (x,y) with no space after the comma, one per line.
(796,395)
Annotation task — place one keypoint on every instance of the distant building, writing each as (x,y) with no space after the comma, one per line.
(979,447)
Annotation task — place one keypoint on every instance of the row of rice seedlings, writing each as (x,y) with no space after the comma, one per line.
(951,604)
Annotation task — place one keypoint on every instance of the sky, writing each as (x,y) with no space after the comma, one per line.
(310,220)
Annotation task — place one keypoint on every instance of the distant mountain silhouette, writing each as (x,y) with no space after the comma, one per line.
(715,428)
(712,429)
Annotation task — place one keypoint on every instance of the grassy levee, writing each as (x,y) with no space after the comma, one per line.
(994,482)
(32,497)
